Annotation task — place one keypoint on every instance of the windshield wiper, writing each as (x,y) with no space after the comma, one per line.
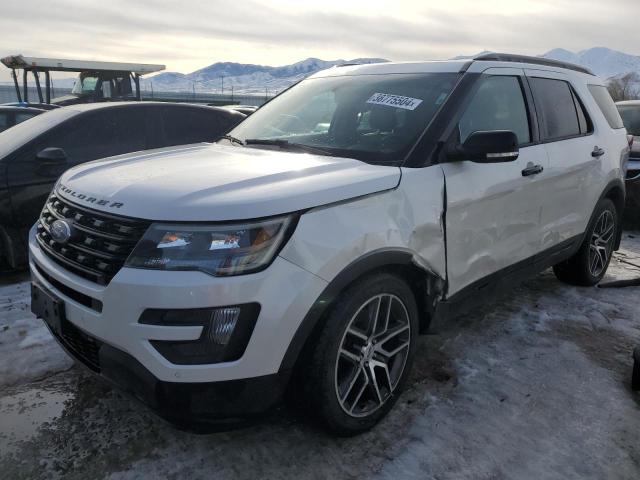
(232,139)
(286,144)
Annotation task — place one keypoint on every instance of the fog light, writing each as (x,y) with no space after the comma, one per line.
(225,333)
(223,322)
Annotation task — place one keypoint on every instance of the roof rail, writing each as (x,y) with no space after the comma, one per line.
(507,57)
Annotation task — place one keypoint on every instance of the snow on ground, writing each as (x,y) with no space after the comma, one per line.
(535,386)
(27,349)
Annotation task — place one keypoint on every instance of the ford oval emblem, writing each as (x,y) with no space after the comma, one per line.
(61,230)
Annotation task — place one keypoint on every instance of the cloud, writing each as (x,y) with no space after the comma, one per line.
(191,34)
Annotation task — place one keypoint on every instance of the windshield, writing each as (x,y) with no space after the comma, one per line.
(373,118)
(631,118)
(84,85)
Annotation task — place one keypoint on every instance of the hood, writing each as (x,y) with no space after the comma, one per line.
(207,182)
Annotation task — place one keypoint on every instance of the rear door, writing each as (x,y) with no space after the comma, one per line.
(493,210)
(574,176)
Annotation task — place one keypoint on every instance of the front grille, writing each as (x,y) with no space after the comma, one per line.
(101,242)
(82,346)
(79,297)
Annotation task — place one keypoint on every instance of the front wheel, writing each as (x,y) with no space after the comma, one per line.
(590,263)
(364,354)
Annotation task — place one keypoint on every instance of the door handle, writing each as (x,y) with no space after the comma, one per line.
(532,170)
(597,152)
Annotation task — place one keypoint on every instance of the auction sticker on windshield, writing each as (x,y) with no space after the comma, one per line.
(397,101)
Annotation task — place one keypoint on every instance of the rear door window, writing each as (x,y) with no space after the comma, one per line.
(605,102)
(557,108)
(184,125)
(498,104)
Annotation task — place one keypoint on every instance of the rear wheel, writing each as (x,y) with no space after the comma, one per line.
(590,263)
(364,354)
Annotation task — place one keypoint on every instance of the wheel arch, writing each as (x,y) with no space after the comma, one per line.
(426,286)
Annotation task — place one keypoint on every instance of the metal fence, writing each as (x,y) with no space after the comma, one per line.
(8,94)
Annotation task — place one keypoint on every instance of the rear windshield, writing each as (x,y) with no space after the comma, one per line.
(373,118)
(605,102)
(631,118)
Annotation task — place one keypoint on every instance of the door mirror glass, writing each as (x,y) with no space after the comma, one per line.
(52,155)
(487,147)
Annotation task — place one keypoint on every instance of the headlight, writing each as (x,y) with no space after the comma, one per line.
(220,250)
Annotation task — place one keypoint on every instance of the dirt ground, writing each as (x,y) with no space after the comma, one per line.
(533,387)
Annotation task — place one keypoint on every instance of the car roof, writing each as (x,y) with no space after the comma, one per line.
(15,108)
(474,65)
(629,102)
(88,107)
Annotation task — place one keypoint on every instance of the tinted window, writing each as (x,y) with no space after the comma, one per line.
(130,127)
(4,121)
(556,107)
(497,105)
(631,117)
(583,117)
(21,117)
(99,134)
(183,125)
(86,137)
(605,102)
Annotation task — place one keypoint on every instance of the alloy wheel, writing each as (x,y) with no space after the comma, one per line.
(372,355)
(601,244)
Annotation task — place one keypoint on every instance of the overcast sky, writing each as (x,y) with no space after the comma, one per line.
(190,34)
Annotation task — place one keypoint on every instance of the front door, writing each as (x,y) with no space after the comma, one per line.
(493,210)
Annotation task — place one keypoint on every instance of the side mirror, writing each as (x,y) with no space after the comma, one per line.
(52,156)
(494,146)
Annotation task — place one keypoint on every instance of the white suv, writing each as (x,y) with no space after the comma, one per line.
(315,242)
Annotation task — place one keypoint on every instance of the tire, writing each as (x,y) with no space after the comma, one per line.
(353,354)
(590,263)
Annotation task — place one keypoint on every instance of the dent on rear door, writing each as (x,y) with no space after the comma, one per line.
(409,218)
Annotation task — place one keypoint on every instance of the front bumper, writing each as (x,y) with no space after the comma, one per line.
(284,291)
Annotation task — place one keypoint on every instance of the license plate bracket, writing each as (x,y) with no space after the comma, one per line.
(48,307)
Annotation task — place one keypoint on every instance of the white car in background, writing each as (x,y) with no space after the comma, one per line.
(327,231)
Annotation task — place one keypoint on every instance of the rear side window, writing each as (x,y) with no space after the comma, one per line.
(497,105)
(605,102)
(561,112)
(183,125)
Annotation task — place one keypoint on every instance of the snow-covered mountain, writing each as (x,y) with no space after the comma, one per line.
(600,60)
(255,79)
(245,78)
